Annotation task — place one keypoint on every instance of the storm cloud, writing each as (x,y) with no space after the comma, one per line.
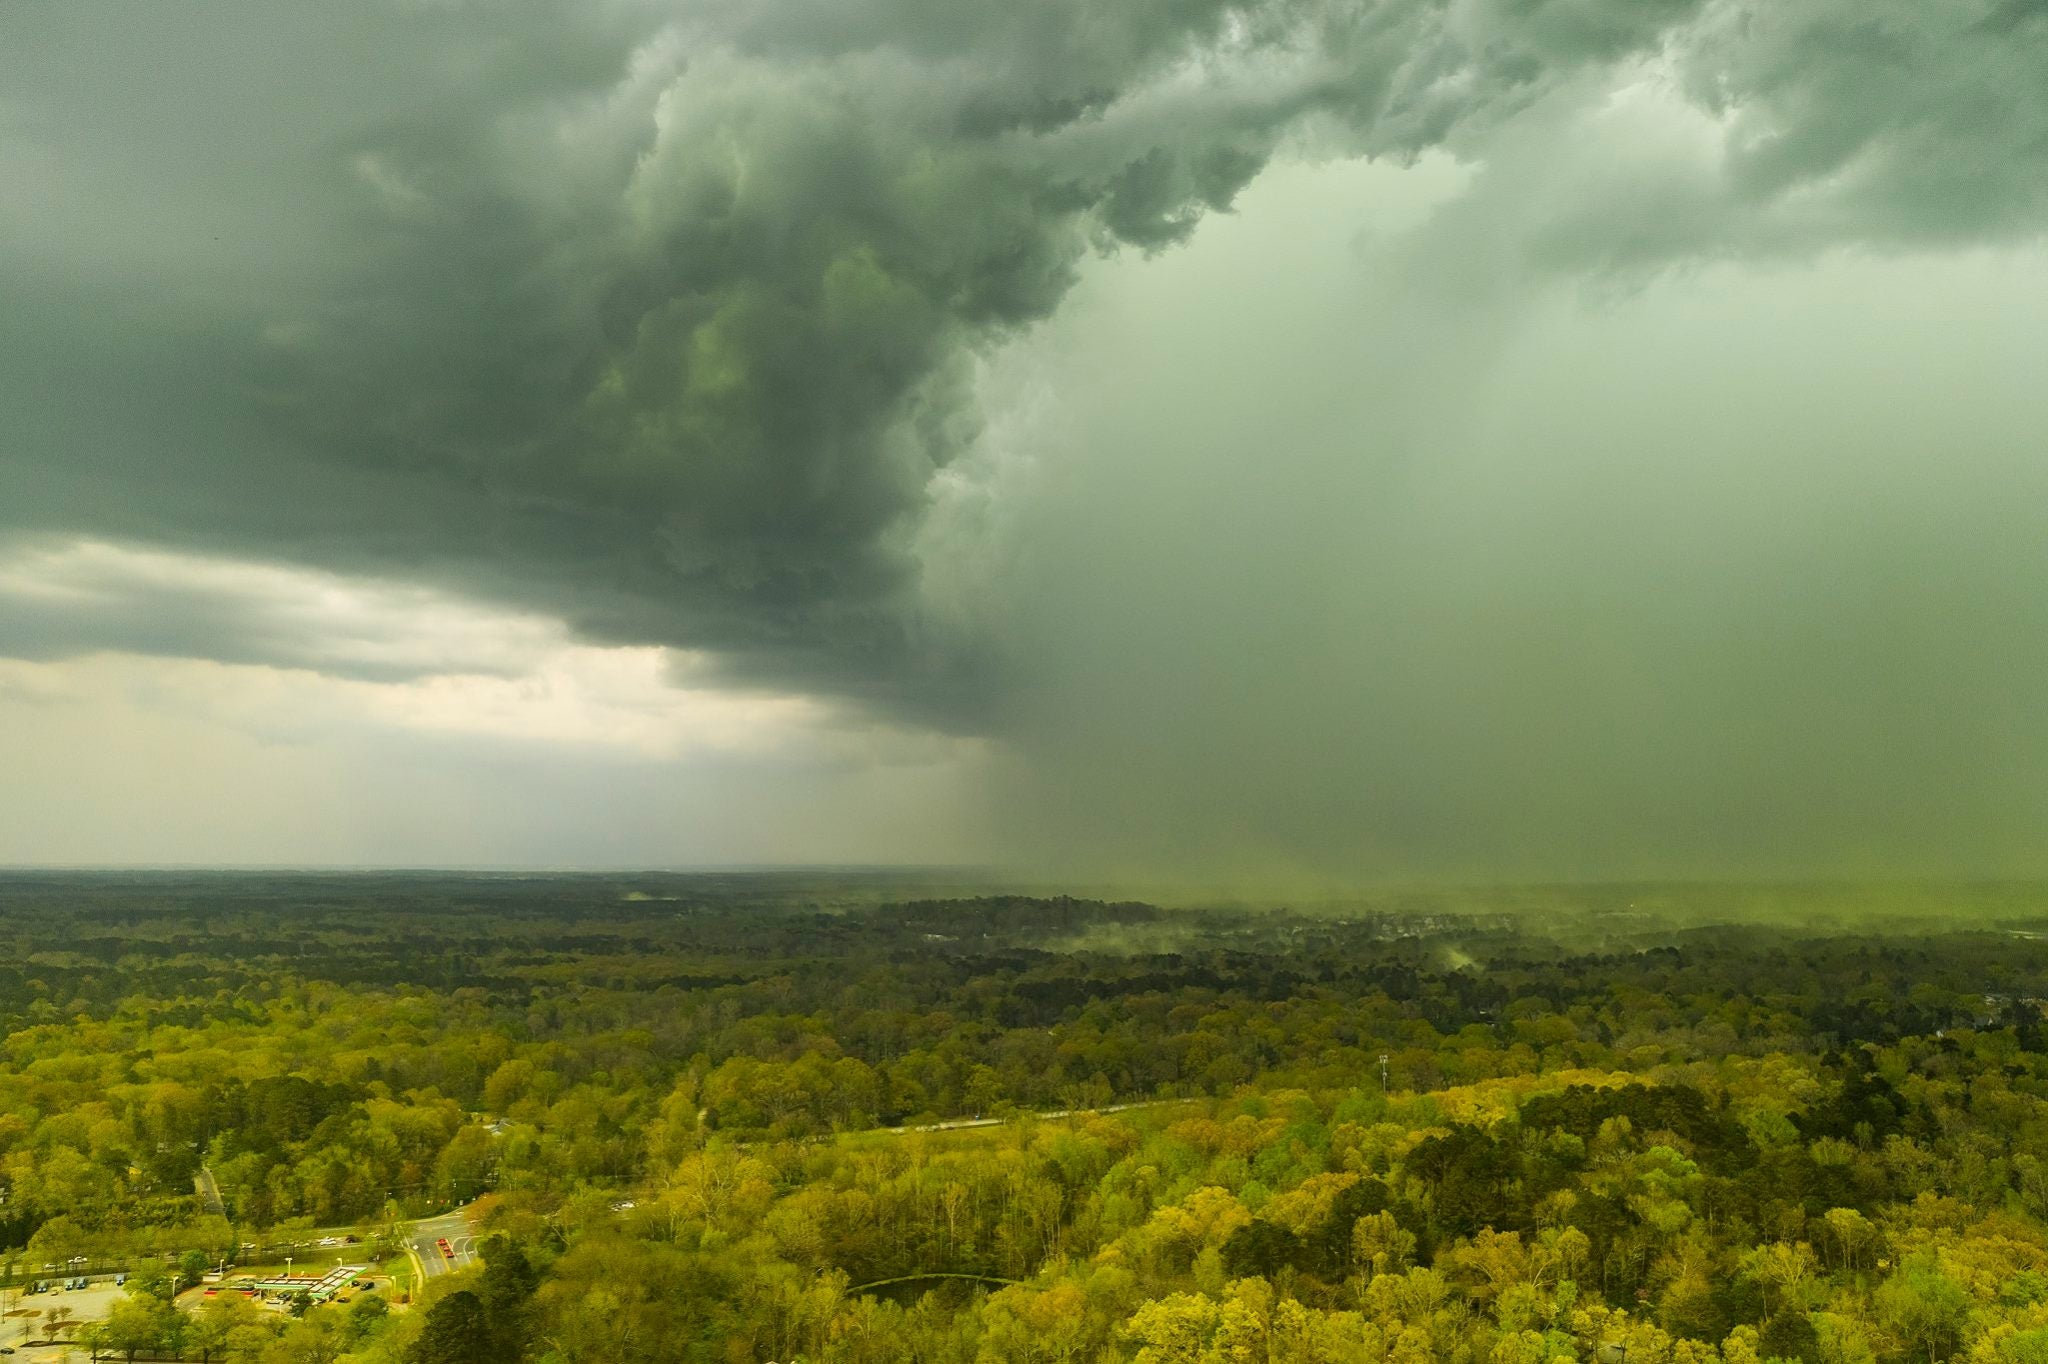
(674,322)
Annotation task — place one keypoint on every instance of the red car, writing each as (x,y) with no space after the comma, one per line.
(442,1242)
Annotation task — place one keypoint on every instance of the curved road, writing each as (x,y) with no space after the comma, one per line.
(424,1239)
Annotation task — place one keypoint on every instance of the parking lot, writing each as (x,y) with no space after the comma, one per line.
(33,1316)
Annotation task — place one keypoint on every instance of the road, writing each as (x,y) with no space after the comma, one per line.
(209,1192)
(958,1124)
(425,1237)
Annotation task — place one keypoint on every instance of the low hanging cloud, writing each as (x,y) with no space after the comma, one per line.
(289,655)
(61,600)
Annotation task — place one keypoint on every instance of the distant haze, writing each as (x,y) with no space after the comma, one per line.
(1286,444)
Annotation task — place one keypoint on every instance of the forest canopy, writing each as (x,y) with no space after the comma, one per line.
(854,1119)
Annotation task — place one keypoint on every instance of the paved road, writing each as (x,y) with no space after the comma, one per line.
(957,1124)
(209,1192)
(425,1237)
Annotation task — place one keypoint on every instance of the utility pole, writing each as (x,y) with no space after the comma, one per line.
(1383,1072)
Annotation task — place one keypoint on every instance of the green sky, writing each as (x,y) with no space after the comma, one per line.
(1309,439)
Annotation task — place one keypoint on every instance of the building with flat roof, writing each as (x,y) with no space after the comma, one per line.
(319,1289)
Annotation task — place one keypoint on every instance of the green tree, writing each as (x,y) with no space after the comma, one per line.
(366,1314)
(1925,1308)
(137,1324)
(153,1284)
(456,1332)
(508,1283)
(210,1329)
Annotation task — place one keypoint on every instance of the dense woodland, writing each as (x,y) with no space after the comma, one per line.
(1639,1124)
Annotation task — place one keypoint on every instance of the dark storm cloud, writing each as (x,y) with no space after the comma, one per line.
(662,317)
(1912,121)
(1888,124)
